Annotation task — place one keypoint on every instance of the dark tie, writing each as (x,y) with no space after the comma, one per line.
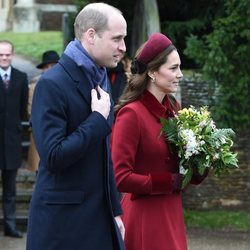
(5,81)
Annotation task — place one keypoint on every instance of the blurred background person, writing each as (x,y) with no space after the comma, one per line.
(118,77)
(49,59)
(13,109)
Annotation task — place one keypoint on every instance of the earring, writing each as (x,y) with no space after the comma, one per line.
(153,80)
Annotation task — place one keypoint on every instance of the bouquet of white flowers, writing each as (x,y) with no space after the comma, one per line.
(199,143)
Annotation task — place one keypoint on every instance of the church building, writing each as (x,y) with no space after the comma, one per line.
(33,15)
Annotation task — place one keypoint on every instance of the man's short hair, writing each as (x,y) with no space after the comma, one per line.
(94,16)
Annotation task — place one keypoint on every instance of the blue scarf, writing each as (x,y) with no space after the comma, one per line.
(96,75)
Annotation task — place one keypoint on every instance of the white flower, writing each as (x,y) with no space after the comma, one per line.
(192,146)
(216,156)
(212,124)
(202,124)
(222,140)
(186,134)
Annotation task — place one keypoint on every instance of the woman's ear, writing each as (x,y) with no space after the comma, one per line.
(151,75)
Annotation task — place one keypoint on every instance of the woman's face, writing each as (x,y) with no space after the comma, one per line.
(166,79)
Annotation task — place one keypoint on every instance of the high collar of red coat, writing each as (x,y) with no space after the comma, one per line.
(158,109)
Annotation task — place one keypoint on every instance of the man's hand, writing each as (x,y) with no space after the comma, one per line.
(101,104)
(120,226)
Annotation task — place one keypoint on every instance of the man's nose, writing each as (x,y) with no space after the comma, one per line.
(122,46)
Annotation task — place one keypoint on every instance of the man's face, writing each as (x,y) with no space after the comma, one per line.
(6,55)
(109,47)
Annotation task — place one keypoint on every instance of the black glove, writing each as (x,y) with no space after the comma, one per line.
(177,182)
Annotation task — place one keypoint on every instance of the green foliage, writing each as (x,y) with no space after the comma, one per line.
(81,3)
(223,56)
(174,28)
(188,177)
(199,144)
(239,221)
(170,129)
(181,18)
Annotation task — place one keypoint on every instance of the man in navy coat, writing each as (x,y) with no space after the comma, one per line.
(13,109)
(75,204)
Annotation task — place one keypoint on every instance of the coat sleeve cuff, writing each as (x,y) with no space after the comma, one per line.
(161,183)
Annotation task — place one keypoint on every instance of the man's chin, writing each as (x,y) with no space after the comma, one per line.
(113,65)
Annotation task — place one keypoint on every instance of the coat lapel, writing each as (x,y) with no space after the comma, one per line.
(1,83)
(78,76)
(12,80)
(154,107)
(80,80)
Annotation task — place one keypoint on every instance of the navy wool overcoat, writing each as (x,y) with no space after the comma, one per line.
(75,198)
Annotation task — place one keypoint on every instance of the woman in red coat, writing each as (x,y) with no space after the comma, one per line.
(146,169)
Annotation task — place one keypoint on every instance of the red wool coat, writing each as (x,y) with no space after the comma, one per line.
(143,163)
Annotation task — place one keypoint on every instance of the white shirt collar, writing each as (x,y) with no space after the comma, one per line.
(3,72)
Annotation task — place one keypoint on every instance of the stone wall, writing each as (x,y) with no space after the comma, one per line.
(230,191)
(34,15)
(51,13)
(51,21)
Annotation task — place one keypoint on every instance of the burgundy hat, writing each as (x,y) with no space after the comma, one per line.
(156,44)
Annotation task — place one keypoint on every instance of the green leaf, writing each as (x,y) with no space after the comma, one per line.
(169,129)
(229,159)
(187,177)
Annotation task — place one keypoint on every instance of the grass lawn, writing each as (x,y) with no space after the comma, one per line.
(33,44)
(225,220)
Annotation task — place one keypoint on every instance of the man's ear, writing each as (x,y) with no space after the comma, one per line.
(90,35)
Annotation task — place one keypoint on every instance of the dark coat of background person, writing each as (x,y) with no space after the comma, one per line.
(13,109)
(49,59)
(81,190)
(118,79)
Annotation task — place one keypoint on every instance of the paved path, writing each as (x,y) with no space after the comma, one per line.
(217,240)
(26,66)
(197,240)
(7,243)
